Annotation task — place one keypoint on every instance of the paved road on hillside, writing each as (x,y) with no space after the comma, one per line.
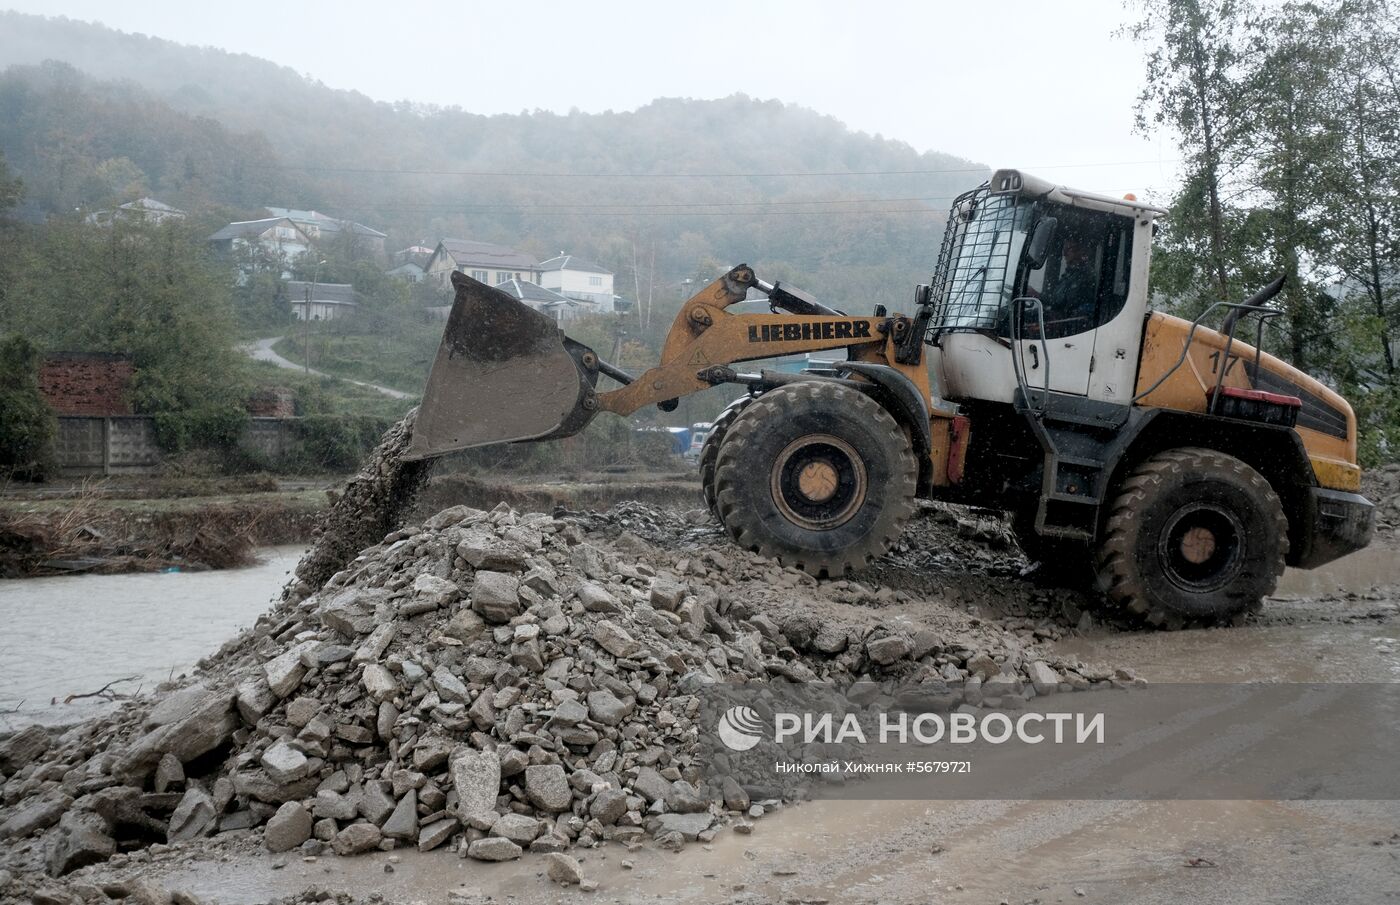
(261,349)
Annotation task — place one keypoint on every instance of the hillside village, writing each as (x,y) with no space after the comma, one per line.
(565,287)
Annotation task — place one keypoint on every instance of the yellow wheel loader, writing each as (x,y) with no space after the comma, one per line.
(1175,466)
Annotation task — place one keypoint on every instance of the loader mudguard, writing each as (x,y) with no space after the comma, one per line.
(1322,525)
(902,399)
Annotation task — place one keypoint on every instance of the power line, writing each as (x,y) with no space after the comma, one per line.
(645,213)
(677,209)
(619,205)
(821,173)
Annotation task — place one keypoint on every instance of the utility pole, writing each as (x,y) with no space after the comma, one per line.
(306,319)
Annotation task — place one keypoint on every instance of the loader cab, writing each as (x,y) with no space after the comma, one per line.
(1043,279)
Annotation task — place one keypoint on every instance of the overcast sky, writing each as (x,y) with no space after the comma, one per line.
(1040,85)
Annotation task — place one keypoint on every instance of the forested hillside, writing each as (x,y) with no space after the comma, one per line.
(854,217)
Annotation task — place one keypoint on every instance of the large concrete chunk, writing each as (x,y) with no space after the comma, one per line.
(597,599)
(484,550)
(194,816)
(606,707)
(1043,678)
(379,682)
(494,848)
(33,817)
(176,705)
(403,823)
(888,650)
(476,775)
(429,593)
(257,784)
(205,728)
(356,838)
(20,749)
(436,833)
(465,625)
(283,763)
(518,828)
(548,787)
(688,825)
(288,828)
(82,838)
(496,596)
(255,698)
(651,785)
(351,612)
(374,646)
(614,639)
(563,869)
(450,688)
(285,671)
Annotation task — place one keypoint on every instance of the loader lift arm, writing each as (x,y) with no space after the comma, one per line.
(705,338)
(506,373)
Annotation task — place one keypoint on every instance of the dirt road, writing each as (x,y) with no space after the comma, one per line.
(261,350)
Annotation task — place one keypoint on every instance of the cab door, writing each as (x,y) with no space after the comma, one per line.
(1081,285)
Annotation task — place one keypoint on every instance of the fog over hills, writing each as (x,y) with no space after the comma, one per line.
(89,115)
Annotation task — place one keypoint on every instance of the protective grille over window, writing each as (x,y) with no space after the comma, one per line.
(974,275)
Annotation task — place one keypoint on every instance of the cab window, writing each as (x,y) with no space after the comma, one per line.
(1083,283)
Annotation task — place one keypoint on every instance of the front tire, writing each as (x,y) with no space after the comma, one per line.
(816,475)
(709,452)
(1194,537)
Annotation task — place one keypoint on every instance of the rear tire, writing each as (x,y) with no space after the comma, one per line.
(709,452)
(817,476)
(1194,537)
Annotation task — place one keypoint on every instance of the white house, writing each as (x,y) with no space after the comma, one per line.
(325,228)
(409,271)
(408,263)
(278,236)
(559,307)
(320,301)
(576,278)
(483,261)
(147,210)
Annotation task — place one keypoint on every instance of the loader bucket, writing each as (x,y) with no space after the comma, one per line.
(503,373)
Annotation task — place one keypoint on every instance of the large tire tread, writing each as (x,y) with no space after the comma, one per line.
(1123,583)
(709,452)
(777,406)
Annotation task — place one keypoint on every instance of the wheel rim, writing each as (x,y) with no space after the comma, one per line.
(818,482)
(1201,547)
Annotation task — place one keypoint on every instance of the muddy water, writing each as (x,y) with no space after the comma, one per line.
(1376,565)
(73,634)
(1309,631)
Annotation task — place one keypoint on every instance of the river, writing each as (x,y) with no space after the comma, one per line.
(72,634)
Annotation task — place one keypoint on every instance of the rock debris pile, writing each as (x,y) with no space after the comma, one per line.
(494,682)
(1382,486)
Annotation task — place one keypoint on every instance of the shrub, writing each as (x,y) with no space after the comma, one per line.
(338,442)
(215,427)
(27,427)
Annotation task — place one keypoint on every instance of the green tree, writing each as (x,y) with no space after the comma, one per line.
(150,291)
(11,189)
(1294,53)
(1193,88)
(1362,175)
(26,424)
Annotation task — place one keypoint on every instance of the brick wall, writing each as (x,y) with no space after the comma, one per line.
(86,383)
(272,402)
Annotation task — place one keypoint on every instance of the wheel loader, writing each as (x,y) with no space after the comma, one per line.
(1174,466)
